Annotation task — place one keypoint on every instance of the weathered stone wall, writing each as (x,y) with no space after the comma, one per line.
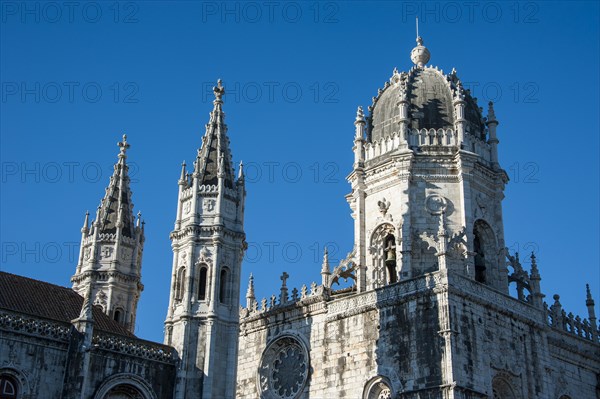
(497,336)
(38,363)
(390,332)
(47,358)
(441,335)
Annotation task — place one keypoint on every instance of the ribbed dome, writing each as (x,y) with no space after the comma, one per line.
(430,94)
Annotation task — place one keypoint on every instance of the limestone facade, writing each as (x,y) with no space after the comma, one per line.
(429,314)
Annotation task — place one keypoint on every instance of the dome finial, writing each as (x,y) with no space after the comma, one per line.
(420,55)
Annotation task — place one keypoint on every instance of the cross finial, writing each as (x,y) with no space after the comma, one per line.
(124,145)
(219,90)
(284,278)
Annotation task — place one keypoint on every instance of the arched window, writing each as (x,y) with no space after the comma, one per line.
(484,247)
(118,315)
(479,259)
(124,391)
(202,283)
(502,389)
(223,286)
(9,388)
(377,388)
(180,284)
(390,258)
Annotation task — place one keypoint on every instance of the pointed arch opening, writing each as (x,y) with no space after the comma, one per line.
(124,391)
(484,247)
(502,389)
(383,251)
(118,315)
(202,279)
(224,286)
(390,259)
(180,284)
(125,386)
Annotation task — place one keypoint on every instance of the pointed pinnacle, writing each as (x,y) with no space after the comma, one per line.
(325,266)
(87,219)
(183,173)
(241,170)
(491,116)
(588,296)
(360,116)
(250,291)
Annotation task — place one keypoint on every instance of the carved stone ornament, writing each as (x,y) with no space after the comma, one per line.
(183,259)
(209,205)
(383,205)
(101,299)
(283,369)
(436,204)
(106,252)
(205,255)
(187,207)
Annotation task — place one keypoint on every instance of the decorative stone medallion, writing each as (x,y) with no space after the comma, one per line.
(283,369)
(436,204)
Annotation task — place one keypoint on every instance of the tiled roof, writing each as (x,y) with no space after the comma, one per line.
(38,298)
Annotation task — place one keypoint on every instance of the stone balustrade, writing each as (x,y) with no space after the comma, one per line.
(559,319)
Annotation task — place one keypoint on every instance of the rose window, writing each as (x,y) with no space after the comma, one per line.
(284,369)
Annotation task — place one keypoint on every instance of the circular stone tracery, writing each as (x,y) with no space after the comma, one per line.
(283,369)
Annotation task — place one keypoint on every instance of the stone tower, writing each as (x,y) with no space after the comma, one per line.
(426,183)
(208,245)
(110,256)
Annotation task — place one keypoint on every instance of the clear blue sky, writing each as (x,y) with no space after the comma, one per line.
(75,78)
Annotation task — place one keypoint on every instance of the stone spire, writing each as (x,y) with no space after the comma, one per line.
(111,249)
(116,208)
(214,157)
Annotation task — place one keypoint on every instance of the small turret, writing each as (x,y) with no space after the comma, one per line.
(325,270)
(359,138)
(589,303)
(250,297)
(492,123)
(537,298)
